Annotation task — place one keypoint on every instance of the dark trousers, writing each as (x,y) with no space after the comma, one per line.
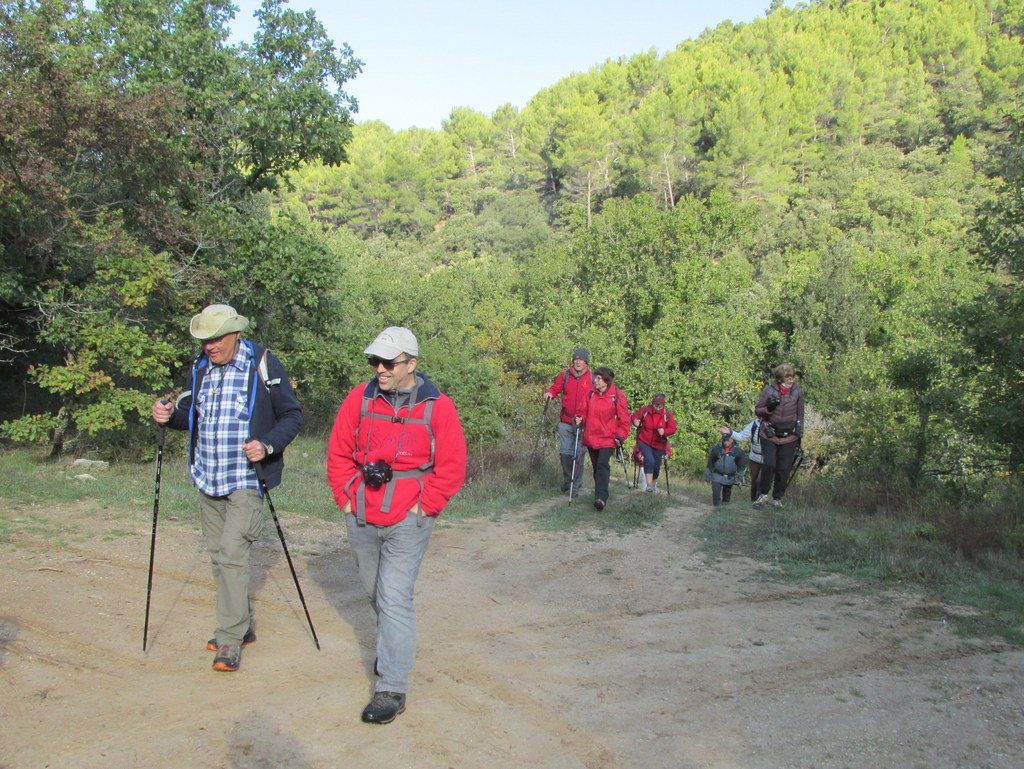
(754,472)
(720,492)
(776,465)
(601,460)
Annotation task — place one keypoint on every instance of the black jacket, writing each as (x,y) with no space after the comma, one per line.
(275,417)
(726,467)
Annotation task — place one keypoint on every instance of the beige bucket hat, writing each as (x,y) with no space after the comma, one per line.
(215,321)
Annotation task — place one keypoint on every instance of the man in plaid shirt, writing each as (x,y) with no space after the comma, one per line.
(241,410)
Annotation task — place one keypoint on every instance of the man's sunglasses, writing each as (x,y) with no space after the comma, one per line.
(389,365)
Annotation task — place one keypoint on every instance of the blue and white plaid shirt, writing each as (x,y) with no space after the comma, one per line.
(222,426)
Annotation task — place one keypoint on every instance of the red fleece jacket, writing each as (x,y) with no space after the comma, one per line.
(405,446)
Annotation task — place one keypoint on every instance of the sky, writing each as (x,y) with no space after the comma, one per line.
(422,59)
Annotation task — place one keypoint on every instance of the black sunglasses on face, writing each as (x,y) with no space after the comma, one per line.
(389,365)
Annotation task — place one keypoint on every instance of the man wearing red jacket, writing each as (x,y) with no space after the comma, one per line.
(396,455)
(574,385)
(605,426)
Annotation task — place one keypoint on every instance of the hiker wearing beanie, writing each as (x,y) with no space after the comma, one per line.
(726,468)
(573,385)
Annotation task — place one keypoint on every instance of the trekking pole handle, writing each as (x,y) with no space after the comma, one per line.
(163,427)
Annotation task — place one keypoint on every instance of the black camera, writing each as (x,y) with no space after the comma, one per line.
(773,402)
(376,474)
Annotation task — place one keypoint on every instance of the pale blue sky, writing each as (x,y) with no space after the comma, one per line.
(421,59)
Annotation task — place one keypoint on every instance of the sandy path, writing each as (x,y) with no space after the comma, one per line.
(536,649)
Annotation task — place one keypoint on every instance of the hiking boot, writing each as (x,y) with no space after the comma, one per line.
(599,504)
(777,503)
(248,638)
(384,708)
(228,658)
(761,501)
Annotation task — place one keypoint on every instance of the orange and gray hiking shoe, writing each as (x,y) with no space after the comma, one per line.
(228,658)
(248,638)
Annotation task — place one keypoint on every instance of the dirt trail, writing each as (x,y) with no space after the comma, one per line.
(536,650)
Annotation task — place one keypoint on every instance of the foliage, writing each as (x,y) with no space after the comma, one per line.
(993,325)
(836,185)
(134,140)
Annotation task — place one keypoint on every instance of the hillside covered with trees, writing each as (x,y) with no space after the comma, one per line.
(837,185)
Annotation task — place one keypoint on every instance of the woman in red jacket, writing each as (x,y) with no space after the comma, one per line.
(605,426)
(654,424)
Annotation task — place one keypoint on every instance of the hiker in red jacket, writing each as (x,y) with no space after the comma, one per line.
(573,384)
(654,424)
(606,426)
(395,457)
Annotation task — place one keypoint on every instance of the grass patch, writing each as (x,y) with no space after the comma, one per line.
(803,543)
(122,493)
(498,479)
(21,527)
(30,478)
(626,512)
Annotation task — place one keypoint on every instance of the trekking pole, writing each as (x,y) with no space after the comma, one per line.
(152,539)
(540,432)
(796,464)
(668,487)
(622,459)
(575,458)
(284,546)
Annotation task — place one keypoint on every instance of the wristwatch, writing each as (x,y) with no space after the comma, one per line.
(269,449)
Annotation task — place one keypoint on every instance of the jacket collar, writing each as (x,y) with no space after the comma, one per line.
(426,390)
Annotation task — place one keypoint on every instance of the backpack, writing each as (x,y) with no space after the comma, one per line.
(261,367)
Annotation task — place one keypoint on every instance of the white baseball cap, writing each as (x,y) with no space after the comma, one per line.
(392,342)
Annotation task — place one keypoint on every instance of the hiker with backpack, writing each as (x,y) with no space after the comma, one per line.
(725,468)
(751,433)
(606,425)
(654,424)
(240,411)
(395,457)
(781,409)
(573,385)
